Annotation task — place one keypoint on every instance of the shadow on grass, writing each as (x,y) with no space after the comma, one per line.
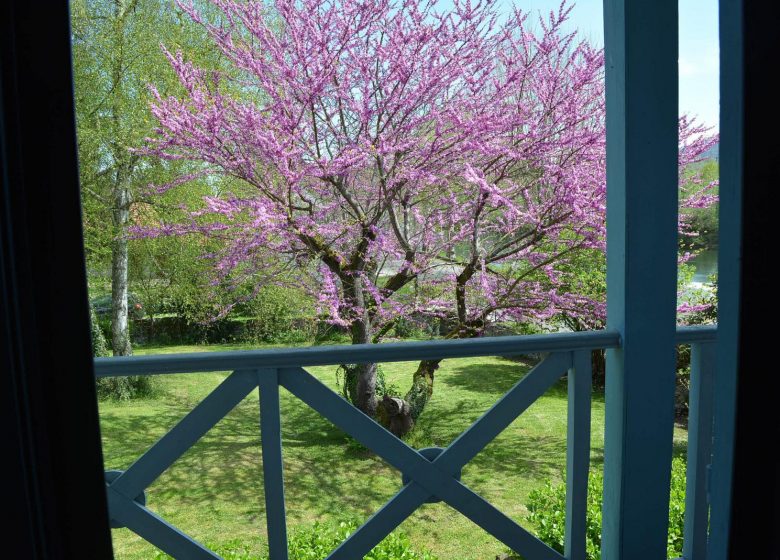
(495,379)
(486,378)
(523,451)
(322,473)
(325,473)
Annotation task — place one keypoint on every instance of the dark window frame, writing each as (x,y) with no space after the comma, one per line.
(48,412)
(48,407)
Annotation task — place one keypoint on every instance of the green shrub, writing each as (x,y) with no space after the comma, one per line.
(547,507)
(126,388)
(281,315)
(406,327)
(116,388)
(99,344)
(328,333)
(319,540)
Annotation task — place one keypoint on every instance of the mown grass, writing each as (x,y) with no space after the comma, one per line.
(215,491)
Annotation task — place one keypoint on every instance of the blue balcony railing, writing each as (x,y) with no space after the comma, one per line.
(428,475)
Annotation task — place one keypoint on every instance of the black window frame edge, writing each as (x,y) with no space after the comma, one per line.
(48,409)
(755,491)
(54,498)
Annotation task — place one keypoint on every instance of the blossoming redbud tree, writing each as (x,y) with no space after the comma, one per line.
(402,158)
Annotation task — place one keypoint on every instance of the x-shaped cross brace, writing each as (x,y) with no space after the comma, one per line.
(433,478)
(437,478)
(122,492)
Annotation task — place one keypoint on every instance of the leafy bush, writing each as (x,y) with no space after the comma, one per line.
(99,344)
(103,305)
(117,388)
(328,333)
(547,507)
(282,315)
(319,540)
(406,327)
(126,388)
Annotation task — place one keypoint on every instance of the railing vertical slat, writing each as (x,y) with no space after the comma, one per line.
(577,454)
(699,451)
(273,470)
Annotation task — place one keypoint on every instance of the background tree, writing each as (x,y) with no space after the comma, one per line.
(116,53)
(405,160)
(701,223)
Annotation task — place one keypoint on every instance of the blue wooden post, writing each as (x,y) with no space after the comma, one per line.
(699,451)
(577,454)
(642,136)
(273,469)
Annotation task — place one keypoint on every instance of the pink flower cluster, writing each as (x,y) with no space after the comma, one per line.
(395,143)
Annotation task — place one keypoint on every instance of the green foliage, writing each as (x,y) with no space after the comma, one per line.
(170,277)
(702,222)
(116,53)
(346,379)
(126,388)
(547,507)
(331,334)
(99,345)
(585,273)
(281,315)
(674,540)
(407,328)
(319,540)
(707,297)
(183,308)
(116,388)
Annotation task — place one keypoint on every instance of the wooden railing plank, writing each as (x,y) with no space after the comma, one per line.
(354,353)
(429,478)
(273,469)
(577,454)
(701,393)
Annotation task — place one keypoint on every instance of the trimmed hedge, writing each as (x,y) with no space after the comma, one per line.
(178,330)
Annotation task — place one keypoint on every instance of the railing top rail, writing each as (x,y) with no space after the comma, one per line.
(355,353)
(698,333)
(362,353)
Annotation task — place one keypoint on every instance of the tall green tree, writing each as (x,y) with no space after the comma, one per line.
(116,51)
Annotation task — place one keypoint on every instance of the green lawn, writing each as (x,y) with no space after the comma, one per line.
(215,491)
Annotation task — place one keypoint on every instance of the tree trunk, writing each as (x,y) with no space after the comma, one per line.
(399,415)
(120,194)
(120,331)
(360,379)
